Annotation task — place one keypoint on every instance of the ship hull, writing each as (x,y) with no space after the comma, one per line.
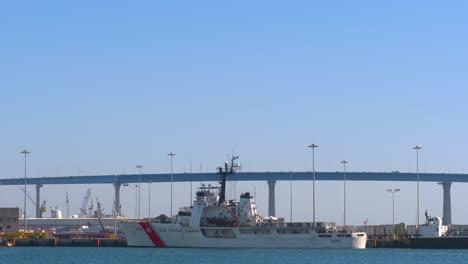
(143,234)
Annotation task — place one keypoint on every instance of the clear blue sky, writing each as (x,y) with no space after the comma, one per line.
(96,88)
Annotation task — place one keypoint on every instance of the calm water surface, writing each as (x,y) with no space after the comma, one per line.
(49,255)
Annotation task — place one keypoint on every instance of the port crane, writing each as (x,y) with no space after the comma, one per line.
(82,212)
(43,204)
(91,209)
(99,214)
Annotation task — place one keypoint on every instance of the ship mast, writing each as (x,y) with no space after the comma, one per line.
(229,168)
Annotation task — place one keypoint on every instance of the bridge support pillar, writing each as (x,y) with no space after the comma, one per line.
(38,201)
(271,197)
(447,218)
(117,198)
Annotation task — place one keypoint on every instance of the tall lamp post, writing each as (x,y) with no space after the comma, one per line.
(291,197)
(171,154)
(149,199)
(313,146)
(417,148)
(25,152)
(191,194)
(344,190)
(139,188)
(393,191)
(115,208)
(136,201)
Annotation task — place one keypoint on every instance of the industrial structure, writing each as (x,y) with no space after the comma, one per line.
(9,219)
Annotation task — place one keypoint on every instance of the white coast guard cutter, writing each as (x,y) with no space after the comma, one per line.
(214,222)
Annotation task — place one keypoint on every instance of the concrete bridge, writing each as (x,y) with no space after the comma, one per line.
(271,178)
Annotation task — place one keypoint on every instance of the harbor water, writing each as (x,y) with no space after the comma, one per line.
(46,255)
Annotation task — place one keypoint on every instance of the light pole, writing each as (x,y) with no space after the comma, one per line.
(171,154)
(417,148)
(136,201)
(115,208)
(344,190)
(115,218)
(393,191)
(25,152)
(149,200)
(191,195)
(313,146)
(291,197)
(139,188)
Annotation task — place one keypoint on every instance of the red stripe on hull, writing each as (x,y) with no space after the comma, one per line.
(152,234)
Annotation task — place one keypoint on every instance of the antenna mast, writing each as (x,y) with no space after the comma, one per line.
(229,168)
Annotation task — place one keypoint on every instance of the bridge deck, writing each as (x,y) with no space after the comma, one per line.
(241,176)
